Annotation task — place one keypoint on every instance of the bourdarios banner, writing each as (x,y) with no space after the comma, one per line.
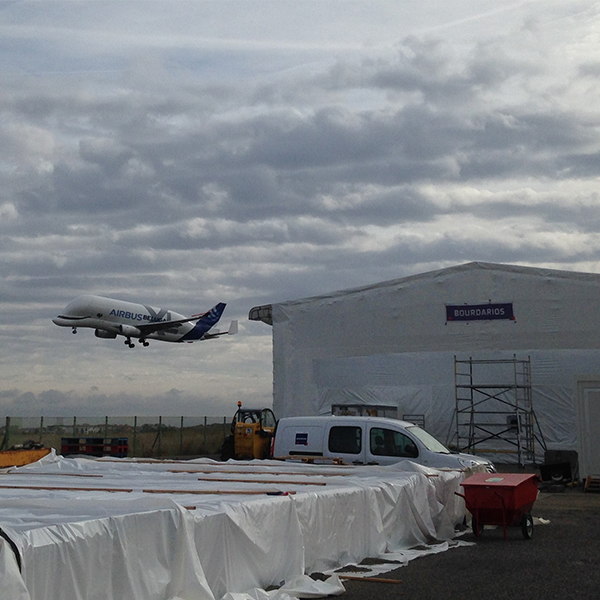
(479,312)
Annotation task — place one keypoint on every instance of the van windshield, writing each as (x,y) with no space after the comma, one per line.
(428,440)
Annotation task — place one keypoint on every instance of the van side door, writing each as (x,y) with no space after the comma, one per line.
(346,441)
(389,446)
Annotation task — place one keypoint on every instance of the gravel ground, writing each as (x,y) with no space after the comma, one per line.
(562,560)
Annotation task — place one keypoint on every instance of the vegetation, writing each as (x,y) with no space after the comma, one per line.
(149,440)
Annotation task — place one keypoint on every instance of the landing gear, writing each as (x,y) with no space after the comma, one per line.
(129,343)
(145,343)
(74,330)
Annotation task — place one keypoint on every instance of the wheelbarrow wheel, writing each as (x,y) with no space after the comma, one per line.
(527,526)
(476,526)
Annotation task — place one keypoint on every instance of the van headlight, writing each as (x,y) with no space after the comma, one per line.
(489,466)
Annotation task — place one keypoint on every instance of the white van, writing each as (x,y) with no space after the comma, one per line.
(366,440)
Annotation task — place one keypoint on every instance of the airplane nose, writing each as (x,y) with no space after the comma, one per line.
(58,321)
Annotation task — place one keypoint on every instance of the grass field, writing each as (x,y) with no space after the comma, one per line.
(155,440)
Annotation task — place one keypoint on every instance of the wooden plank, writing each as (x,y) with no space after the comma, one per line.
(311,459)
(592,484)
(59,474)
(370,579)
(221,492)
(54,488)
(276,481)
(148,491)
(277,473)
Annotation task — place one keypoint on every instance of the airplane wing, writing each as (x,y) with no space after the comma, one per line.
(148,328)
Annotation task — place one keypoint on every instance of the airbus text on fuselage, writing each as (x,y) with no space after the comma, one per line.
(111,318)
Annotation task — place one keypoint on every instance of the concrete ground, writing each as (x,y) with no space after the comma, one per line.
(562,560)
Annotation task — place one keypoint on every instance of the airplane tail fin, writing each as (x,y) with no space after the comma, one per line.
(204,323)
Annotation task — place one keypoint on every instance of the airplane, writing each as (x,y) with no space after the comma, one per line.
(110,318)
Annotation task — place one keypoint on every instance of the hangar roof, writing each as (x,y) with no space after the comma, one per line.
(264,313)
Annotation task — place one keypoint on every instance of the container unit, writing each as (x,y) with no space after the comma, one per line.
(94,446)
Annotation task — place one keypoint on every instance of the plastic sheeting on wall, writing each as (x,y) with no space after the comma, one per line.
(161,531)
(391,343)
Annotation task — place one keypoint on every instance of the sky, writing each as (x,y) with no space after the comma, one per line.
(187,152)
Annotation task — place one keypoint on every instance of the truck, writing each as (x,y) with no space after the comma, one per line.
(362,440)
(250,435)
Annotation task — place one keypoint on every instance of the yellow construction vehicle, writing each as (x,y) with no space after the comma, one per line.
(251,433)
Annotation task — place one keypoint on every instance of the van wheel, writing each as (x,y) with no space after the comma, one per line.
(228,448)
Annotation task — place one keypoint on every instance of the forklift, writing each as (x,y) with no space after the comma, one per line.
(252,430)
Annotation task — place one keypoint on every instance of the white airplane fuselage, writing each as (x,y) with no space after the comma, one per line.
(110,318)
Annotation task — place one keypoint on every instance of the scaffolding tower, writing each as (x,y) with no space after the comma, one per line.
(494,408)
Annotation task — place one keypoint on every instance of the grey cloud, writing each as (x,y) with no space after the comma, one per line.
(170,183)
(53,403)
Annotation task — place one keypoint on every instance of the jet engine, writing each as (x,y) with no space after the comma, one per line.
(129,331)
(101,333)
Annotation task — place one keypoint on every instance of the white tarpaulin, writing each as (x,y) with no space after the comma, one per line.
(393,344)
(200,530)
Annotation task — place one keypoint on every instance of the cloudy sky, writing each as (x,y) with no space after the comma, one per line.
(187,152)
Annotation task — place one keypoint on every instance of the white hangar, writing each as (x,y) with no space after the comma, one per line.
(492,358)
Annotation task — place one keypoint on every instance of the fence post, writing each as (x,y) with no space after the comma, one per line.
(106,426)
(160,436)
(74,426)
(41,429)
(181,438)
(4,443)
(134,436)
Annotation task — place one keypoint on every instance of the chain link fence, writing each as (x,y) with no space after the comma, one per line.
(145,437)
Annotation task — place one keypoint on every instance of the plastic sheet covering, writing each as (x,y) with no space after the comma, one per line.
(390,344)
(202,530)
(301,587)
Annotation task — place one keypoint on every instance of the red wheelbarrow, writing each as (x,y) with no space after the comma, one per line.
(501,499)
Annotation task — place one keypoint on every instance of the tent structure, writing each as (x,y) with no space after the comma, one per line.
(490,357)
(81,528)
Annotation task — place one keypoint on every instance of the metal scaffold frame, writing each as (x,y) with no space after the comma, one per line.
(494,408)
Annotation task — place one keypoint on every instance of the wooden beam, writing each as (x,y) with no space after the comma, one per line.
(287,482)
(309,472)
(53,474)
(54,488)
(370,579)
(221,492)
(148,491)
